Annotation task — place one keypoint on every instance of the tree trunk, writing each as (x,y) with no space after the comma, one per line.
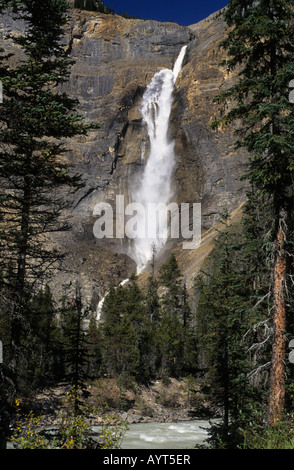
(17,317)
(277,378)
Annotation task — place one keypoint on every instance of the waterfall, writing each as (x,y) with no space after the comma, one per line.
(155,184)
(101,302)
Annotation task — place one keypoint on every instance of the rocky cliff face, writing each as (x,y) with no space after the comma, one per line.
(115,59)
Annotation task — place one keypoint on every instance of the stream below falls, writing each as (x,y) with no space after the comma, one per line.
(179,435)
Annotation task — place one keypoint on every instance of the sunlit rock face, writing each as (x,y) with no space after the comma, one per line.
(115,60)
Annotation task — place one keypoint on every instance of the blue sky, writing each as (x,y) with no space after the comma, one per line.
(183,12)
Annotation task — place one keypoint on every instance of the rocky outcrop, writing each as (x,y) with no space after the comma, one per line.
(115,59)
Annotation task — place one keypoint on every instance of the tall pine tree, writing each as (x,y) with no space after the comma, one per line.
(223,322)
(35,118)
(76,345)
(260,44)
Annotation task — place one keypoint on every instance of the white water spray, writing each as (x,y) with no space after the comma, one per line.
(155,185)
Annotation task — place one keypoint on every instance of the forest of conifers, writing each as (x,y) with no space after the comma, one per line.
(233,329)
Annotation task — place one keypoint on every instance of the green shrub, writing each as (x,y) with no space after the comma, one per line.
(279,436)
(73,431)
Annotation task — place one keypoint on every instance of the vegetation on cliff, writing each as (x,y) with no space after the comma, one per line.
(93,5)
(100,7)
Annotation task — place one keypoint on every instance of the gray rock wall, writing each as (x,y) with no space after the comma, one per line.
(115,59)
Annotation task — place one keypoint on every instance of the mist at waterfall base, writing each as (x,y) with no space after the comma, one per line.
(154,185)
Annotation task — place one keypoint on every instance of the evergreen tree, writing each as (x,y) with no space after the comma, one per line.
(76,346)
(111,309)
(148,351)
(222,323)
(260,42)
(133,305)
(79,4)
(175,338)
(123,316)
(170,345)
(170,278)
(152,299)
(146,335)
(42,342)
(255,253)
(35,117)
(127,353)
(150,325)
(90,5)
(190,360)
(94,345)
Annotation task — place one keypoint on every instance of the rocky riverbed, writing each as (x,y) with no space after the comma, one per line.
(177,400)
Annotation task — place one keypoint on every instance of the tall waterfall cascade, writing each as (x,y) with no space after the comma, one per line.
(155,184)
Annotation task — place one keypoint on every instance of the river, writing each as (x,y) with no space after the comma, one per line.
(180,435)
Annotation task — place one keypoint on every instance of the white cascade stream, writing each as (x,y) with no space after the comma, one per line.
(101,302)
(155,185)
